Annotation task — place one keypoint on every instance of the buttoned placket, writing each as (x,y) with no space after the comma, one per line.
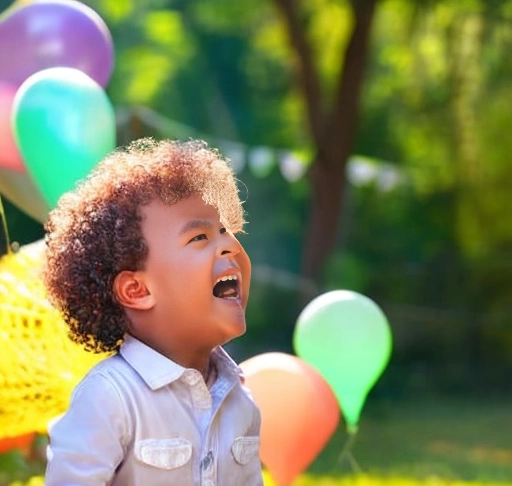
(219,391)
(208,468)
(206,405)
(202,403)
(209,461)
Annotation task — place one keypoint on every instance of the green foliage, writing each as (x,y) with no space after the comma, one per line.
(434,107)
(22,229)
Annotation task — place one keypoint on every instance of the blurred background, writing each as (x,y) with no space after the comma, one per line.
(372,142)
(371,139)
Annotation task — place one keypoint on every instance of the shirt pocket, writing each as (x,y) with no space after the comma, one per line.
(164,453)
(245,449)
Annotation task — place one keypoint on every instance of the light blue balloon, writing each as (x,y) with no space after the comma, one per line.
(64,124)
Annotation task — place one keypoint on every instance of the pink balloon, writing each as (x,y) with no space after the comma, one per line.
(54,33)
(299,412)
(10,157)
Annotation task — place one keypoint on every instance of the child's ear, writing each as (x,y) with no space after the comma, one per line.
(131,291)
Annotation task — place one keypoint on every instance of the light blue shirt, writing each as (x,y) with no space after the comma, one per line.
(139,419)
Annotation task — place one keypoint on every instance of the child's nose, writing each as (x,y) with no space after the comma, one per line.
(229,244)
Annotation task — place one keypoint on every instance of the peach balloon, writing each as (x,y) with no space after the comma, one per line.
(10,156)
(299,412)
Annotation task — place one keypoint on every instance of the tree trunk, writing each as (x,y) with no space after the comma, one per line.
(327,181)
(327,175)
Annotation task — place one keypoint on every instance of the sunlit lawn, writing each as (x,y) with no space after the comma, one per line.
(421,443)
(359,480)
(369,480)
(435,442)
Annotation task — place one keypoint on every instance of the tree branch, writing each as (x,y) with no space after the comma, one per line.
(308,75)
(341,124)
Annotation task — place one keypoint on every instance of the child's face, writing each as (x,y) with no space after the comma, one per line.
(189,252)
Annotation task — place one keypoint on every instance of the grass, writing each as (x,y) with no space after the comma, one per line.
(369,480)
(425,442)
(359,480)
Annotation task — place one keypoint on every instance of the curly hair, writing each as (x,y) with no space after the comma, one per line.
(95,231)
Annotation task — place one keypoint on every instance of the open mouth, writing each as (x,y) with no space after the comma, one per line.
(226,287)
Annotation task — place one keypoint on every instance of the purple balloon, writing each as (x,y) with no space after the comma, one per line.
(55,33)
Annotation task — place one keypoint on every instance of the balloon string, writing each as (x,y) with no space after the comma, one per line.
(346,452)
(4,227)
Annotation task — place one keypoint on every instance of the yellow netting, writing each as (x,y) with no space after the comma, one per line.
(39,364)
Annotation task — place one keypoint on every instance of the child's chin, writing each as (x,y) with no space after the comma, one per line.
(236,330)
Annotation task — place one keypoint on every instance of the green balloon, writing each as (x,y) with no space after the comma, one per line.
(64,124)
(347,338)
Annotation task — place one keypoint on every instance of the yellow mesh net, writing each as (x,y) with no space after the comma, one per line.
(39,364)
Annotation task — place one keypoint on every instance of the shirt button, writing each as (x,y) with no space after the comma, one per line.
(207,461)
(191,377)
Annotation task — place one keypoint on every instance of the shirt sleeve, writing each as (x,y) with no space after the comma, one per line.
(86,444)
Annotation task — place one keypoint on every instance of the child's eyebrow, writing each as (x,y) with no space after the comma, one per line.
(196,224)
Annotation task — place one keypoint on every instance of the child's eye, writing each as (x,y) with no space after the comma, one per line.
(200,237)
(222,230)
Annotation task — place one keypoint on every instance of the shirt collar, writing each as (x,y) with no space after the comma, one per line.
(225,364)
(158,371)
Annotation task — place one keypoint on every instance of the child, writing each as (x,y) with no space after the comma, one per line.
(142,260)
